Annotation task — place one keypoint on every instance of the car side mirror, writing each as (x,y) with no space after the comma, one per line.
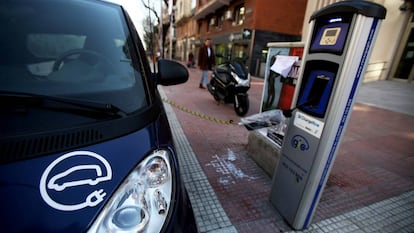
(171,73)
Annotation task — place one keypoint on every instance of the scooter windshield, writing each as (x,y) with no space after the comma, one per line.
(240,70)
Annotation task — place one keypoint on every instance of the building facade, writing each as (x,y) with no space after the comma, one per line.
(239,29)
(185,28)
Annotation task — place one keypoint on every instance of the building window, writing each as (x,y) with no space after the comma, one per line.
(210,22)
(239,14)
(219,20)
(199,25)
(216,21)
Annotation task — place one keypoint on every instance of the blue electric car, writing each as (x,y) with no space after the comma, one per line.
(85,144)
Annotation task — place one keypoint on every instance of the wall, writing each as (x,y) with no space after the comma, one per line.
(265,15)
(388,39)
(273,15)
(185,39)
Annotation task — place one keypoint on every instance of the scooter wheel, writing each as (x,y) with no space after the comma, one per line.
(242,107)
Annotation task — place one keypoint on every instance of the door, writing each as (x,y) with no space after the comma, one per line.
(404,69)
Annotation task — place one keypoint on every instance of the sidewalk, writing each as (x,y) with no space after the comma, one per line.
(390,95)
(370,188)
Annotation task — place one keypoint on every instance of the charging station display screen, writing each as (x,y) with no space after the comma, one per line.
(330,35)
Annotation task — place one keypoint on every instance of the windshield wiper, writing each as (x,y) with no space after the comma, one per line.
(22,99)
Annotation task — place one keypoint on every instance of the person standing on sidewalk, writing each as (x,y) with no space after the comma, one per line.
(206,60)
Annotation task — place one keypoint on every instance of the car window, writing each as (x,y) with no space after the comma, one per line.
(86,55)
(50,45)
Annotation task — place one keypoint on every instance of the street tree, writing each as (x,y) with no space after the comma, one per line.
(150,35)
(164,28)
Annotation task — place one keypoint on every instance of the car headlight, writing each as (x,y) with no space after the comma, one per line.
(142,202)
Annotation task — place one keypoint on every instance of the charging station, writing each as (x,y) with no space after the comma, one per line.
(336,54)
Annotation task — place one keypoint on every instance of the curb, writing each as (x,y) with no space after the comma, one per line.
(208,211)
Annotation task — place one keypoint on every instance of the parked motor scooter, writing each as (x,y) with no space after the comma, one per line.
(230,82)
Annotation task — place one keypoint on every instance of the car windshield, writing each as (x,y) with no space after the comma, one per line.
(47,50)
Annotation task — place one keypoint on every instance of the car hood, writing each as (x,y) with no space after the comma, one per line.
(65,191)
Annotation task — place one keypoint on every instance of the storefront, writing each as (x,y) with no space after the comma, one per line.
(247,47)
(231,46)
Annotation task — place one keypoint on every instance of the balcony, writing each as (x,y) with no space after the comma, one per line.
(209,8)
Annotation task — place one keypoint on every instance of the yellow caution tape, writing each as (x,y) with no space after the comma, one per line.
(198,114)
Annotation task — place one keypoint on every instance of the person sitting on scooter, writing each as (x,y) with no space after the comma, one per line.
(206,60)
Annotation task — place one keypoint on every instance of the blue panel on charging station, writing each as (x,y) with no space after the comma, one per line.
(315,96)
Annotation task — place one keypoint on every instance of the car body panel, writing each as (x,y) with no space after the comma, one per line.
(21,185)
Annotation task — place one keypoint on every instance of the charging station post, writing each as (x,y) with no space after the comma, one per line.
(339,43)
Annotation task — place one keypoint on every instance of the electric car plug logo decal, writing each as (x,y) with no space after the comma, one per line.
(73,173)
(299,142)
